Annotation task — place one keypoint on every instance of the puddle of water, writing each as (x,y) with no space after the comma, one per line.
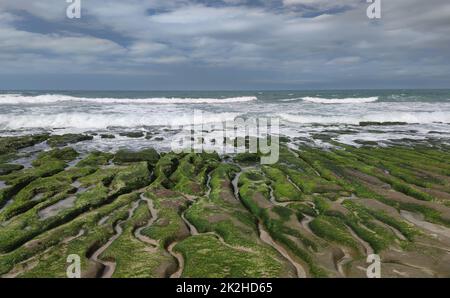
(36,148)
(74,162)
(76,184)
(29,154)
(55,208)
(37,197)
(25,161)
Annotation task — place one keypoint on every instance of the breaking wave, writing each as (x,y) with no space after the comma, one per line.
(103,121)
(16,99)
(418,117)
(351,100)
(291,99)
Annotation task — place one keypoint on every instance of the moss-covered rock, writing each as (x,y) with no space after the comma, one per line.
(66,139)
(66,154)
(247,158)
(95,159)
(107,136)
(126,156)
(6,169)
(132,177)
(317,205)
(11,144)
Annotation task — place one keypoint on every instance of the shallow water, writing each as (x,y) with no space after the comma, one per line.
(57,207)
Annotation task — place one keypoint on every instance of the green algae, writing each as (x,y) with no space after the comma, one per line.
(325,185)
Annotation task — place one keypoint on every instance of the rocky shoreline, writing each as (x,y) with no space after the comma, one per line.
(316,213)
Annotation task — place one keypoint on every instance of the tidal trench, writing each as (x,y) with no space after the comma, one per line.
(108,267)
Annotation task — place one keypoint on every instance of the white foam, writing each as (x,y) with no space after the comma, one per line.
(14,99)
(351,100)
(102,121)
(290,99)
(417,117)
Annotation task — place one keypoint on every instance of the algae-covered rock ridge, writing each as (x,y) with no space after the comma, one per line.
(316,213)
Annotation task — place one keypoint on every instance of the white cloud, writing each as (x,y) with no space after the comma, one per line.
(272,42)
(322,4)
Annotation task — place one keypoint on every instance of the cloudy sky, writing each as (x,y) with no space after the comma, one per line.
(224,44)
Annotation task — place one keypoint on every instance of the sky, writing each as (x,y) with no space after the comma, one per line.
(224,45)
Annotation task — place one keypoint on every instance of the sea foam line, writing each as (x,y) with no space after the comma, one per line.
(103,121)
(350,100)
(15,99)
(418,117)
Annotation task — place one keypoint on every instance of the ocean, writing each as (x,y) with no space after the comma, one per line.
(351,117)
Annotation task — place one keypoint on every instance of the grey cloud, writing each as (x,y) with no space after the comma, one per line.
(409,44)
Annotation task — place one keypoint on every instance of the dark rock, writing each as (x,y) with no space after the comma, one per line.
(371,123)
(64,140)
(64,154)
(247,158)
(11,144)
(132,134)
(6,169)
(367,143)
(107,136)
(126,156)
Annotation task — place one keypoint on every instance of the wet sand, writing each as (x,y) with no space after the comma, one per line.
(419,221)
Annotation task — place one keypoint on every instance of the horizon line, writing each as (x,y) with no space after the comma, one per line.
(221,90)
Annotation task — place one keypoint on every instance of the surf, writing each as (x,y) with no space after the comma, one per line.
(18,99)
(350,100)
